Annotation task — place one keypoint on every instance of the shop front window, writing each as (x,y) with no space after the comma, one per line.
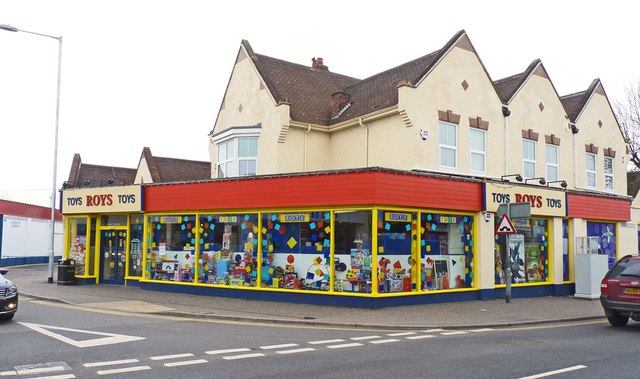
(565,250)
(171,250)
(352,251)
(136,233)
(606,233)
(296,250)
(446,251)
(228,249)
(528,252)
(77,232)
(397,263)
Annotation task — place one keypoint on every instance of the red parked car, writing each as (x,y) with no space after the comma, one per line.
(620,291)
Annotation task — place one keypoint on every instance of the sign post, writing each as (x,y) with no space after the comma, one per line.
(505,227)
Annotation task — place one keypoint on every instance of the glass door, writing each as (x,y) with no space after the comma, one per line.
(113,256)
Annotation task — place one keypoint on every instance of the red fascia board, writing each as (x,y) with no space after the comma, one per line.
(11,208)
(598,208)
(323,190)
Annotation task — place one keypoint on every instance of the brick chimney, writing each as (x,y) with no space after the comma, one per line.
(339,103)
(319,64)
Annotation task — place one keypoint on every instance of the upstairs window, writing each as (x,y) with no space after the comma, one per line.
(552,162)
(590,168)
(529,158)
(477,144)
(608,173)
(237,151)
(448,145)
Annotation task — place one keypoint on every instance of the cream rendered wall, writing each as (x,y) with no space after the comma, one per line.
(526,114)
(556,250)
(348,146)
(635,217)
(304,150)
(247,102)
(143,175)
(607,136)
(485,251)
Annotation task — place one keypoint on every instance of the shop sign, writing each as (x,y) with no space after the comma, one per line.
(295,217)
(227,219)
(102,200)
(447,219)
(171,220)
(544,202)
(397,217)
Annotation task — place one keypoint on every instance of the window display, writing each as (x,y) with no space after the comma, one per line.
(228,249)
(352,252)
(528,252)
(296,250)
(136,232)
(606,233)
(77,230)
(397,263)
(171,250)
(446,251)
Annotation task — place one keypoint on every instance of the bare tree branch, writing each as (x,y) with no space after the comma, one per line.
(628,114)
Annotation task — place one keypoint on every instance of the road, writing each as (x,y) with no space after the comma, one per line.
(61,341)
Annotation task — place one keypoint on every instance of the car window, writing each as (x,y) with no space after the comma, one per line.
(632,270)
(625,267)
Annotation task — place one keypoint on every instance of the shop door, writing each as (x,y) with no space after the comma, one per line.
(113,256)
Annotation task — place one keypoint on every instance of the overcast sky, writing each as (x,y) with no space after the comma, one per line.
(153,73)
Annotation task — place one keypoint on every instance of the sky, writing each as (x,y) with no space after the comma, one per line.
(142,73)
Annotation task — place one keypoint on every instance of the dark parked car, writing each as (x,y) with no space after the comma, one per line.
(8,297)
(620,291)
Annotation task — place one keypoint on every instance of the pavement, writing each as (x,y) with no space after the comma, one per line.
(32,282)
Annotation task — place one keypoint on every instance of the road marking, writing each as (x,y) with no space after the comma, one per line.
(422,336)
(433,330)
(344,345)
(453,333)
(174,356)
(110,363)
(278,346)
(364,338)
(400,334)
(555,372)
(8,373)
(303,350)
(186,363)
(385,341)
(63,376)
(122,370)
(39,370)
(481,330)
(325,341)
(109,339)
(242,356)
(227,351)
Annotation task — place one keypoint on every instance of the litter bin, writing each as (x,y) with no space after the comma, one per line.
(66,271)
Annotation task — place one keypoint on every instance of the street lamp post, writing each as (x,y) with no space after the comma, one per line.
(52,227)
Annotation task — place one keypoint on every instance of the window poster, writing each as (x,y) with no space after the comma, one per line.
(516,258)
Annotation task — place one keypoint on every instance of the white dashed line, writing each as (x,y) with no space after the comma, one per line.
(481,330)
(433,330)
(271,347)
(364,338)
(400,334)
(122,370)
(8,373)
(111,363)
(556,372)
(64,376)
(384,341)
(40,370)
(174,356)
(422,336)
(303,350)
(227,351)
(326,341)
(186,363)
(242,356)
(453,333)
(344,345)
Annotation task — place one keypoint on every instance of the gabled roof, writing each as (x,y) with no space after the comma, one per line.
(575,102)
(309,89)
(165,170)
(89,175)
(507,87)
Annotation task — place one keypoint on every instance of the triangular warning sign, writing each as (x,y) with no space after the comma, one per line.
(105,339)
(505,226)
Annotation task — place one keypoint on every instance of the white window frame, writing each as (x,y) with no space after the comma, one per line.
(553,168)
(474,153)
(591,173)
(527,160)
(231,137)
(608,175)
(448,147)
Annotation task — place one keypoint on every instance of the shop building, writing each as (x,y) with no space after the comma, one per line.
(374,192)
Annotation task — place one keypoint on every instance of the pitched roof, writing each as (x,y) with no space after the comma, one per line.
(633,183)
(507,87)
(89,175)
(575,102)
(165,170)
(309,89)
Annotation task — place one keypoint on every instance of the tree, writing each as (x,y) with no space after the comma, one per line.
(628,114)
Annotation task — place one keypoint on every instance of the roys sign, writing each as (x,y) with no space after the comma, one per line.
(102,200)
(544,202)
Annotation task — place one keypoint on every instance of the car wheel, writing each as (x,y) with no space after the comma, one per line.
(617,320)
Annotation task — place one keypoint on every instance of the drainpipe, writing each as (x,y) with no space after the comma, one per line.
(506,113)
(304,147)
(574,130)
(366,146)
